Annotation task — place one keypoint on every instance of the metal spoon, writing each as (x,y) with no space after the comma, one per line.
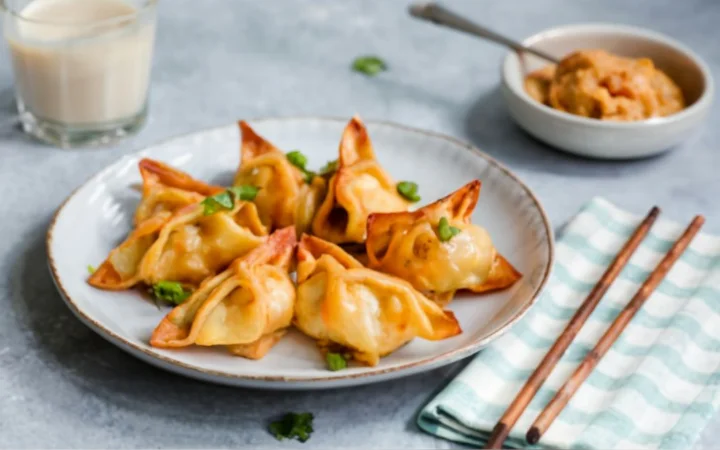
(437,14)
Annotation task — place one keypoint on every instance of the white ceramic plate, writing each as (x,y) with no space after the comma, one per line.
(98,216)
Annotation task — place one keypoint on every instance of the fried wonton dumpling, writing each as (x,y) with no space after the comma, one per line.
(186,246)
(248,307)
(166,189)
(408,245)
(360,186)
(286,197)
(341,303)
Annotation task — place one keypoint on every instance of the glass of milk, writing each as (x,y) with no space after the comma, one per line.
(82,67)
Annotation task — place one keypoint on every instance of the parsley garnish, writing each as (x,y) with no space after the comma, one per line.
(446,231)
(293,426)
(335,361)
(226,200)
(409,190)
(299,160)
(90,269)
(369,65)
(170,291)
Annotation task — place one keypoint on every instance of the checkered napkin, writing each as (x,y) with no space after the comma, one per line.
(658,385)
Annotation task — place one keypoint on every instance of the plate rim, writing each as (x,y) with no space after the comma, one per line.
(205,374)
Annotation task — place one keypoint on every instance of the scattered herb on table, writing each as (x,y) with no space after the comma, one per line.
(170,291)
(293,426)
(369,65)
(446,231)
(409,190)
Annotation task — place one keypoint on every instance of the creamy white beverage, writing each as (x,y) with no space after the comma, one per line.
(81,62)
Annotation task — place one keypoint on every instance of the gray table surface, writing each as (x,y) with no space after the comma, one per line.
(218,60)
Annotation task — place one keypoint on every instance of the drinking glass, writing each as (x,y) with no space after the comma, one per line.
(82,67)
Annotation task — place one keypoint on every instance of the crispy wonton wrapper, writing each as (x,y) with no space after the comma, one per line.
(359,187)
(407,245)
(186,246)
(285,197)
(166,189)
(371,314)
(248,307)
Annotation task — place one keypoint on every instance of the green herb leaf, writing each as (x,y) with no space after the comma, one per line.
(226,200)
(245,192)
(335,361)
(446,231)
(170,291)
(297,159)
(408,189)
(293,426)
(215,203)
(90,269)
(330,167)
(369,65)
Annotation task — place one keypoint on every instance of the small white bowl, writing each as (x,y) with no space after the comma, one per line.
(609,139)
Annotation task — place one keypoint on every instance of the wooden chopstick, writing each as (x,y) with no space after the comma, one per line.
(538,377)
(563,396)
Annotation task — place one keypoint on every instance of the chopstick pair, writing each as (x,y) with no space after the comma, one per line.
(550,360)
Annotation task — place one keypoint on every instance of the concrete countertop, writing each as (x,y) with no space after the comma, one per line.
(220,60)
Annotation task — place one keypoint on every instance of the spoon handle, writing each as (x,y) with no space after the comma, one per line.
(437,14)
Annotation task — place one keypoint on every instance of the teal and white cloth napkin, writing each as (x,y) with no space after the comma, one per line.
(658,385)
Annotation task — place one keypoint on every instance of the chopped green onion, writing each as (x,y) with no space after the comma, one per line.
(170,291)
(245,192)
(297,159)
(335,361)
(446,231)
(215,203)
(90,269)
(369,65)
(408,189)
(293,426)
(329,167)
(226,200)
